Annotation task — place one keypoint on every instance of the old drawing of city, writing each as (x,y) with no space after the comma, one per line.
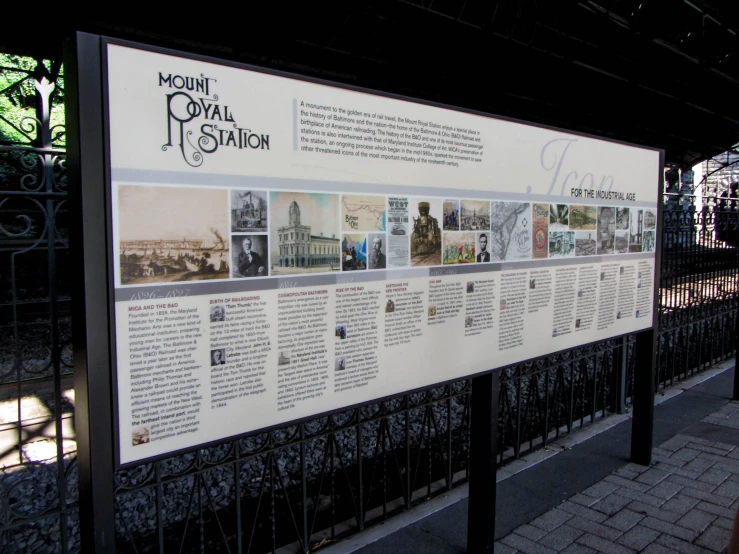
(172,234)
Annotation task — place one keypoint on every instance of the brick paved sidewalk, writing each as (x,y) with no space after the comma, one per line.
(684,502)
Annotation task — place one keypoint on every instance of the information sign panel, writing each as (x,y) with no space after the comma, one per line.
(285,248)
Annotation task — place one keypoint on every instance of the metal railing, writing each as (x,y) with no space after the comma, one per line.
(305,485)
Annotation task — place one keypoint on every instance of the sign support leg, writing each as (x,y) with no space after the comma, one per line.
(642,425)
(735,395)
(483,450)
(92,355)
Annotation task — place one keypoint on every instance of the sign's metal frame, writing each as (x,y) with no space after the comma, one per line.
(94,314)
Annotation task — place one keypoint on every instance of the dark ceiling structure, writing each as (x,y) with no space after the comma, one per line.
(661,73)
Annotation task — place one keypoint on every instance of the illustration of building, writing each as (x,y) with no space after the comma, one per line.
(298,248)
(249,213)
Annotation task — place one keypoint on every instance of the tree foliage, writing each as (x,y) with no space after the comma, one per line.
(21,100)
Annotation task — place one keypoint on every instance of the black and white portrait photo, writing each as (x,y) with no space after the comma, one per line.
(218,356)
(376,257)
(249,254)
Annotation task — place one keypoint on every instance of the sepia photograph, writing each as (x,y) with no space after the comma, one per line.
(559,217)
(170,234)
(583,218)
(426,233)
(510,231)
(248,211)
(474,215)
(249,256)
(389,306)
(606,230)
(304,233)
(561,244)
(459,248)
(283,358)
(451,215)
(140,435)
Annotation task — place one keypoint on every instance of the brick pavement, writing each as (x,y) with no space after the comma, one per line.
(684,502)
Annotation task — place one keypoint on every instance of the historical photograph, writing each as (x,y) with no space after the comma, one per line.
(451,215)
(622,242)
(583,218)
(340,363)
(483,252)
(606,230)
(376,259)
(218,356)
(140,435)
(432,310)
(353,252)
(470,287)
(170,234)
(474,215)
(622,219)
(217,313)
(561,244)
(510,231)
(249,256)
(636,230)
(585,243)
(248,211)
(540,231)
(304,233)
(283,358)
(650,219)
(426,234)
(341,332)
(559,217)
(389,306)
(649,242)
(459,248)
(363,213)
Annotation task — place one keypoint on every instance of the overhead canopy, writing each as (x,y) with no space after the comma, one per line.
(662,73)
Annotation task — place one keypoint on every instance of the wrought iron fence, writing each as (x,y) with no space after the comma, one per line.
(38,494)
(305,485)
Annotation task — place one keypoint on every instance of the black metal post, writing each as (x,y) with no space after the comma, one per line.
(645,358)
(483,450)
(642,425)
(735,395)
(91,301)
(618,394)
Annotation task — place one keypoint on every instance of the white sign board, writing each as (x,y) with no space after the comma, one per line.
(284,248)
